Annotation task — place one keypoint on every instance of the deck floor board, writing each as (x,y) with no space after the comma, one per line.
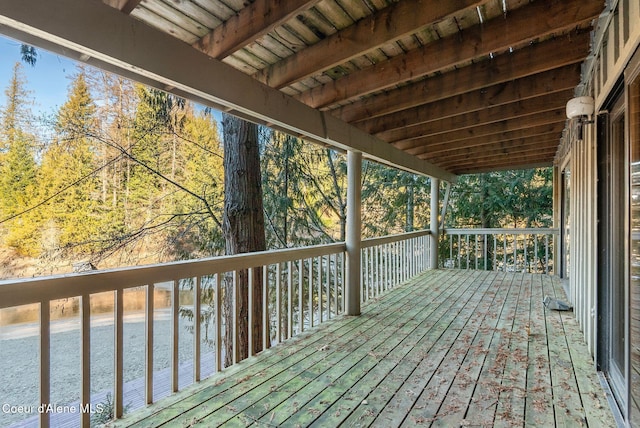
(448,348)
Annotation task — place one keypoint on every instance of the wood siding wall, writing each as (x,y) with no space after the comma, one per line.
(617,38)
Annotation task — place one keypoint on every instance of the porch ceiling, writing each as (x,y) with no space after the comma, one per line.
(464,85)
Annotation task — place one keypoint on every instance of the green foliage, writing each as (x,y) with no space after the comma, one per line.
(304,192)
(67,178)
(521,198)
(17,166)
(393,201)
(134,171)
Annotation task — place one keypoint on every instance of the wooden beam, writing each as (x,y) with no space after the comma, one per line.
(538,58)
(249,24)
(124,6)
(526,24)
(94,33)
(537,143)
(467,146)
(515,124)
(498,162)
(550,102)
(548,82)
(389,24)
(481,170)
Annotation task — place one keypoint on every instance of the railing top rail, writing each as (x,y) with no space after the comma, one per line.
(372,242)
(32,290)
(503,231)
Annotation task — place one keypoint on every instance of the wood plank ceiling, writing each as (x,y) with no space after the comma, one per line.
(468,85)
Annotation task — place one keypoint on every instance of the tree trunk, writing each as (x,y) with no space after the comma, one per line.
(243,228)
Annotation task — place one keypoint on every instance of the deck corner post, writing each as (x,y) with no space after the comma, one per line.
(353,232)
(435,228)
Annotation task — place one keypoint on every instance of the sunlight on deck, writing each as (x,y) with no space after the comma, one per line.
(449,348)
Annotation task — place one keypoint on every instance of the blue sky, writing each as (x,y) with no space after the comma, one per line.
(47,81)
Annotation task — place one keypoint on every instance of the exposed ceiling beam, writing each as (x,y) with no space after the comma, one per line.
(549,102)
(124,6)
(514,124)
(533,86)
(528,23)
(503,167)
(516,146)
(468,146)
(538,58)
(249,24)
(99,35)
(407,16)
(543,158)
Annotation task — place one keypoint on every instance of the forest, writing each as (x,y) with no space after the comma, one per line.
(124,175)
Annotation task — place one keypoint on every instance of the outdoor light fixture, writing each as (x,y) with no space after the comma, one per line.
(580,108)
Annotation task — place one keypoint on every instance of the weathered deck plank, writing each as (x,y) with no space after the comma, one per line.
(484,402)
(450,348)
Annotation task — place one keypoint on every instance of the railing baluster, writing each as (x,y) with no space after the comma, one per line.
(266,331)
(535,253)
(466,247)
(328,286)
(396,266)
(311,320)
(300,296)
(546,253)
(45,360)
(320,289)
(475,250)
(505,252)
(524,245)
(148,349)
(376,258)
(515,253)
(250,317)
(197,297)
(484,250)
(118,354)
(236,309)
(365,276)
(85,314)
(342,279)
(218,313)
(175,334)
(335,282)
(278,305)
(289,299)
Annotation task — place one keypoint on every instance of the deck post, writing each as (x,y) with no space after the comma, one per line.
(353,232)
(435,232)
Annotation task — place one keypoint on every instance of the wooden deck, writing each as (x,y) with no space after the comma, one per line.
(451,348)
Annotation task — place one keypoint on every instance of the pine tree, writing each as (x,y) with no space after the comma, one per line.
(17,167)
(69,173)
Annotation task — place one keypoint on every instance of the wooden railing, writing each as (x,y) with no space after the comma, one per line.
(301,287)
(390,260)
(509,250)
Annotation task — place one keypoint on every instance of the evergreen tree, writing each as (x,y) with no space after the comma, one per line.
(393,201)
(17,167)
(520,198)
(68,177)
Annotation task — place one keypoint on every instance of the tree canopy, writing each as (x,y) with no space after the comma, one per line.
(128,175)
